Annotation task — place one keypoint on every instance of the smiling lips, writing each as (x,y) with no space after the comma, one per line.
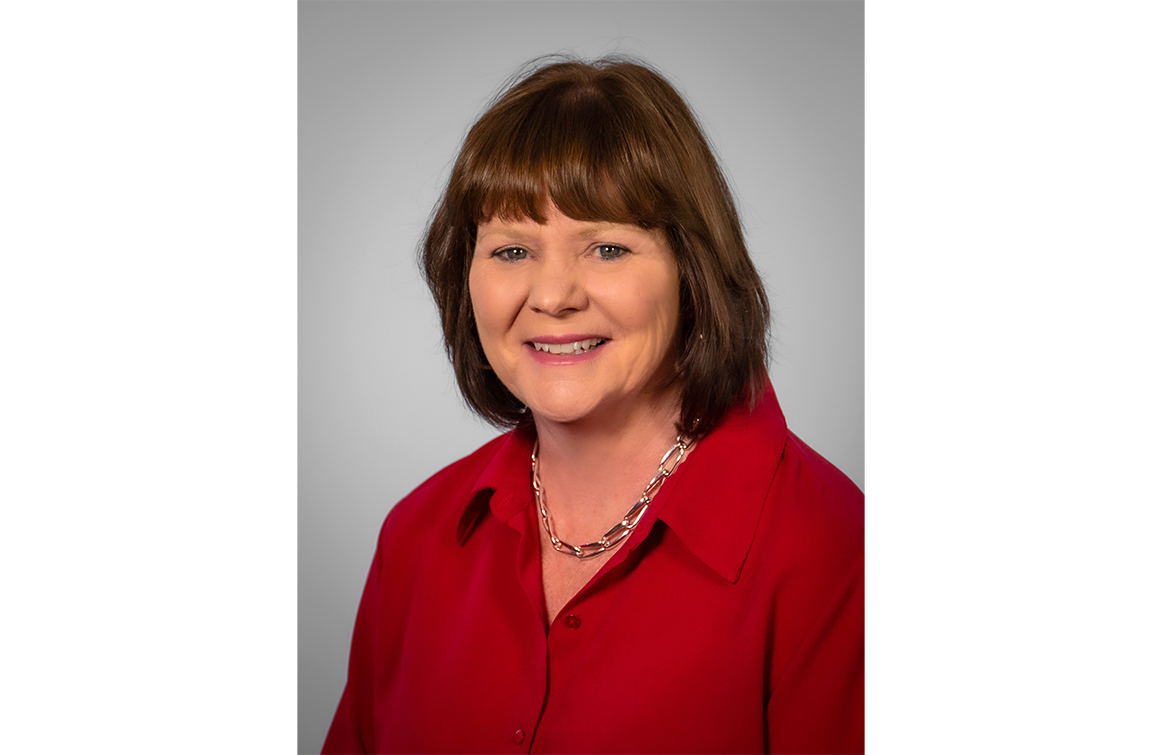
(570,347)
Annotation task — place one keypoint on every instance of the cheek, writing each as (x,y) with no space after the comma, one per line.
(489,306)
(478,292)
(665,305)
(479,303)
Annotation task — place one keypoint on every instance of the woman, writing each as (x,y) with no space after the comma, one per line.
(648,561)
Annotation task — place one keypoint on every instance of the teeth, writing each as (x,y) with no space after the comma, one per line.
(577,347)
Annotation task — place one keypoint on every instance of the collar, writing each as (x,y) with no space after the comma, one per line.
(712,502)
(505,485)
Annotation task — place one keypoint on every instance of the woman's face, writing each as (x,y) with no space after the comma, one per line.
(577,318)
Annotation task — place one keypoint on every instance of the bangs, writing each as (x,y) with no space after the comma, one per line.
(576,149)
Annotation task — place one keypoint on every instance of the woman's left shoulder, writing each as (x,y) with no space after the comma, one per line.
(812,508)
(818,478)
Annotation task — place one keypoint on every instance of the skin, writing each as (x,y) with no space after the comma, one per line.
(604,410)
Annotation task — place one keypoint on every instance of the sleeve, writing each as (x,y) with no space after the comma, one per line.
(351,730)
(816,703)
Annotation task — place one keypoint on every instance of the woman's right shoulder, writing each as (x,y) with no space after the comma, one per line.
(443,496)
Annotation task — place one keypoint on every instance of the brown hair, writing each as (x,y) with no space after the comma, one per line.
(609,140)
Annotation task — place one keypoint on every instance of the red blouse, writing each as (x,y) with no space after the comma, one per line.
(731,621)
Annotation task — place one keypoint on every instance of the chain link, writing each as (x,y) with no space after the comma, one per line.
(622,529)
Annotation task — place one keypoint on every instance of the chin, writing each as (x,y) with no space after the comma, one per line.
(564,407)
(560,414)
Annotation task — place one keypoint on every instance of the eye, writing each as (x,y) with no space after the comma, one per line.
(511,254)
(611,251)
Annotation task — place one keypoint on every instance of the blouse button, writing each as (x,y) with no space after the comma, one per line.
(572,621)
(518,736)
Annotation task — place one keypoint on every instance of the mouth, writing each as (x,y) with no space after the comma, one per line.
(570,348)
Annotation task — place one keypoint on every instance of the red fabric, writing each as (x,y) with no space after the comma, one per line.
(731,622)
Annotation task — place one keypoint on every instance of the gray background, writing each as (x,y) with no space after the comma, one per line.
(387,91)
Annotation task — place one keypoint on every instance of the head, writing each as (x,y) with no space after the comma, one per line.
(605,142)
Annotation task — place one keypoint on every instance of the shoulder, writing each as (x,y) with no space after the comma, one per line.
(814,516)
(442,497)
(820,482)
(767,461)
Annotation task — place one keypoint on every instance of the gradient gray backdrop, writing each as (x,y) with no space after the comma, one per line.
(387,91)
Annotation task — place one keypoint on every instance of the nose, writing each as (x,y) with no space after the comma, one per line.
(556,288)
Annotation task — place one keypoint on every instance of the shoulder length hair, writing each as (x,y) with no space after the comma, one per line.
(609,140)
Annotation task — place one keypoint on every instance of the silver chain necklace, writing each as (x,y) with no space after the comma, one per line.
(621,530)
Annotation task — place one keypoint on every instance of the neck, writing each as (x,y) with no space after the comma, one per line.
(595,469)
